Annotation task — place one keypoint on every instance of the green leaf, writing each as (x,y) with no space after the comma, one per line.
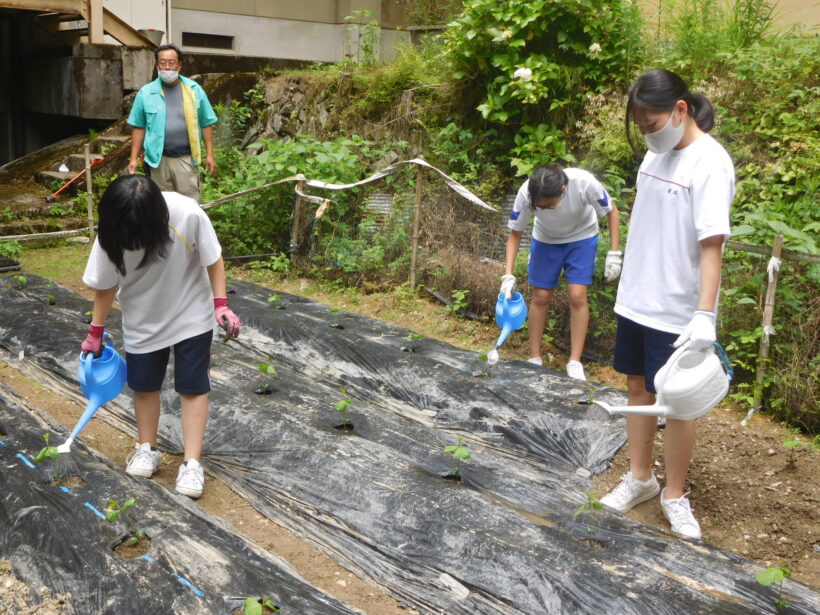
(769,576)
(252,607)
(746,301)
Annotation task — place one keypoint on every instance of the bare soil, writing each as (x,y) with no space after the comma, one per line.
(752,495)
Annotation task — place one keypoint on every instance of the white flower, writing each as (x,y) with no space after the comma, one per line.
(523,73)
(595,48)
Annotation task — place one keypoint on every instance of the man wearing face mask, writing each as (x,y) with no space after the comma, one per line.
(167,118)
(566,204)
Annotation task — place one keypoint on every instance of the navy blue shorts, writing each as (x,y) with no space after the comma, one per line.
(641,351)
(576,259)
(192,359)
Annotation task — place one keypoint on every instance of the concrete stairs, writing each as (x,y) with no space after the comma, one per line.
(108,144)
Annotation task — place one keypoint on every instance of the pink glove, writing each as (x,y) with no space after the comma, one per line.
(225,318)
(93,342)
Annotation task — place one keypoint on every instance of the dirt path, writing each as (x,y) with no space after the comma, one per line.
(749,496)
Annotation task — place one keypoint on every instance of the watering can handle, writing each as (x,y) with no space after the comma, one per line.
(89,357)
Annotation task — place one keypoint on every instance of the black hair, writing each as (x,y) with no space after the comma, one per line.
(133,216)
(165,48)
(546,182)
(659,90)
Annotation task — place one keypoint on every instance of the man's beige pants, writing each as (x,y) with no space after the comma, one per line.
(177,175)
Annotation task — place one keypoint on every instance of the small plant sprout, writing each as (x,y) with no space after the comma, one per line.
(333,310)
(115,510)
(266,368)
(257,606)
(20,280)
(775,575)
(275,302)
(341,406)
(791,444)
(591,504)
(483,357)
(47,452)
(413,336)
(460,453)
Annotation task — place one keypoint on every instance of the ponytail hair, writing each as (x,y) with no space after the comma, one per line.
(133,216)
(659,90)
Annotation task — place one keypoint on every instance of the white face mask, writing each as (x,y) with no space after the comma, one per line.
(169,76)
(665,139)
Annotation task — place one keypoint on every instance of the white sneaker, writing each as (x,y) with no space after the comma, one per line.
(142,461)
(680,516)
(630,492)
(576,370)
(536,361)
(191,479)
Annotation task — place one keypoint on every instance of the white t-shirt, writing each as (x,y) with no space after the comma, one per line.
(575,216)
(170,300)
(683,197)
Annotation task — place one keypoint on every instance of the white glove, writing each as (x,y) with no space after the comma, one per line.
(507,285)
(612,266)
(700,332)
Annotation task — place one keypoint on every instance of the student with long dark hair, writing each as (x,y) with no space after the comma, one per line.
(158,255)
(668,293)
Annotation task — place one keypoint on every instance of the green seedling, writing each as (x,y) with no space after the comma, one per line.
(20,280)
(341,407)
(483,357)
(333,310)
(592,504)
(51,300)
(275,302)
(273,298)
(266,368)
(115,510)
(413,336)
(257,606)
(47,452)
(460,453)
(775,575)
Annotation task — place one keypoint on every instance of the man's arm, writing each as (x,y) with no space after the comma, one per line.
(137,139)
(210,161)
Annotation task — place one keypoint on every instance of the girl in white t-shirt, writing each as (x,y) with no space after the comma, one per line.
(668,292)
(158,255)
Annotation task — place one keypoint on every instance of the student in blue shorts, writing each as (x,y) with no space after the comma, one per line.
(158,255)
(566,204)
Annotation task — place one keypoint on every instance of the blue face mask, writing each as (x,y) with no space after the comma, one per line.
(665,139)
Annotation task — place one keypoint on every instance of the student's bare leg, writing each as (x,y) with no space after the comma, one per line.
(679,440)
(537,318)
(194,420)
(146,411)
(578,319)
(640,430)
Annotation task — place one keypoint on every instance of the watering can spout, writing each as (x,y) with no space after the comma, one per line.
(653,410)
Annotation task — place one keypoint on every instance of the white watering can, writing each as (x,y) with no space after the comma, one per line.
(689,385)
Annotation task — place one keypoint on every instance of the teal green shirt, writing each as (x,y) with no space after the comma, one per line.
(148,112)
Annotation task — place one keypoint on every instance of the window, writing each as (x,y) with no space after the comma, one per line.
(211,41)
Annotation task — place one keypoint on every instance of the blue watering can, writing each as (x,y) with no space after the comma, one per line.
(510,315)
(101,379)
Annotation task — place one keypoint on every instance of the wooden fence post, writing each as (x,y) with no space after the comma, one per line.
(296,229)
(416,216)
(89,187)
(768,317)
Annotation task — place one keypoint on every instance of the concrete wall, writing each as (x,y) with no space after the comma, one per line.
(788,13)
(274,37)
(140,14)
